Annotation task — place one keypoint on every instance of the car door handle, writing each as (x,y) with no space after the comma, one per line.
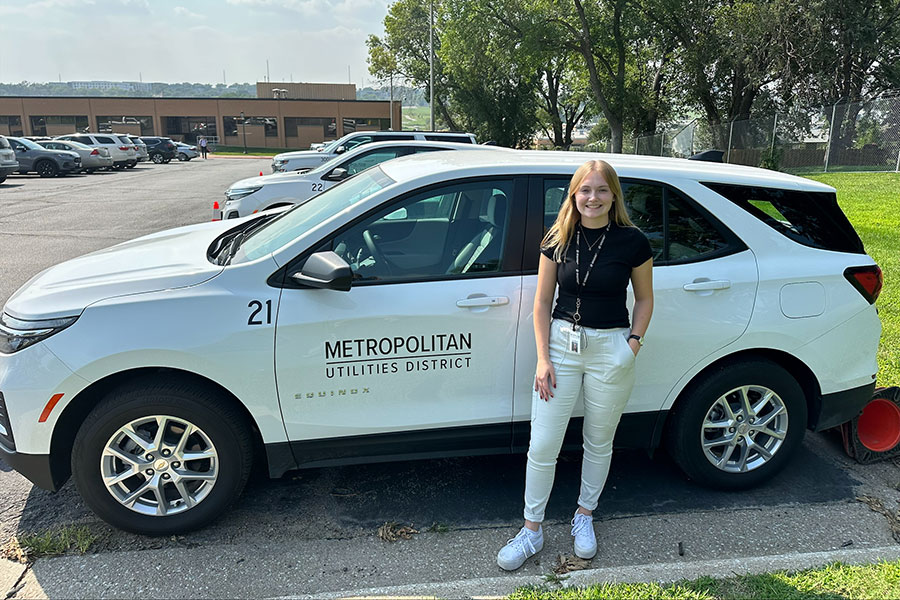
(707,285)
(482,301)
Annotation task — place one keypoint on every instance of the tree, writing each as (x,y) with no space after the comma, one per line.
(405,51)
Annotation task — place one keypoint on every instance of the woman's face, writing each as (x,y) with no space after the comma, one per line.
(594,199)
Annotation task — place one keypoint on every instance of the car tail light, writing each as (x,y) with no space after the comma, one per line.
(95,152)
(123,148)
(867,280)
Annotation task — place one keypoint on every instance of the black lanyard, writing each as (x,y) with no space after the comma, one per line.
(579,285)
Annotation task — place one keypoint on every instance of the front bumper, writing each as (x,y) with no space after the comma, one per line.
(35,467)
(830,410)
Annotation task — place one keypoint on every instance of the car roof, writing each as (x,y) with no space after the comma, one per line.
(512,162)
(422,144)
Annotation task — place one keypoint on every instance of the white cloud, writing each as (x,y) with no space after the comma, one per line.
(184,12)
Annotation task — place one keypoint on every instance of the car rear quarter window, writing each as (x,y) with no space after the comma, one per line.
(813,219)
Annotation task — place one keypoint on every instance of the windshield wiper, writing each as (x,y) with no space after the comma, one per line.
(232,247)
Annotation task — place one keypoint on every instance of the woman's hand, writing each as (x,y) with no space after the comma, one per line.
(544,380)
(634,345)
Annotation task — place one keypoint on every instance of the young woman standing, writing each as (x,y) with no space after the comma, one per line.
(585,348)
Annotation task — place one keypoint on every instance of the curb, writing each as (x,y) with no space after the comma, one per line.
(498,587)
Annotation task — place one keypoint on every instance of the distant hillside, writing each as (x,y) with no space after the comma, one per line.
(158,90)
(408,96)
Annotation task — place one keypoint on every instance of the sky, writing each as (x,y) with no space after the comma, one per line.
(188,40)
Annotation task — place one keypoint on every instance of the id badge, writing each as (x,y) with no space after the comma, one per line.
(573,342)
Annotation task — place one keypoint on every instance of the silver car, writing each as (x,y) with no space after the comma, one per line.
(185,151)
(92,158)
(8,162)
(139,145)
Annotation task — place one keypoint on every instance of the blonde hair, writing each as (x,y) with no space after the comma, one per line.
(560,233)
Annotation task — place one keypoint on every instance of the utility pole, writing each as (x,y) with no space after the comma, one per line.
(244,128)
(268,79)
(431,58)
(391,103)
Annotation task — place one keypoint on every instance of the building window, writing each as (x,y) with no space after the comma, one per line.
(129,125)
(11,125)
(352,124)
(191,129)
(315,126)
(234,125)
(58,125)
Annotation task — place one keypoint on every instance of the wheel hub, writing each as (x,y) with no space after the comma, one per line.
(744,428)
(159,465)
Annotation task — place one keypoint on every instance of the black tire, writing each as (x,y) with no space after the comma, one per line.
(46,168)
(182,156)
(2,178)
(131,165)
(223,426)
(157,158)
(118,166)
(89,171)
(167,160)
(686,434)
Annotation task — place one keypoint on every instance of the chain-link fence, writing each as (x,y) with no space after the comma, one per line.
(859,136)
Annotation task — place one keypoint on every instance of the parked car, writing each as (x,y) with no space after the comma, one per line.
(309,159)
(252,195)
(8,162)
(140,148)
(161,149)
(186,151)
(44,162)
(122,153)
(91,158)
(391,317)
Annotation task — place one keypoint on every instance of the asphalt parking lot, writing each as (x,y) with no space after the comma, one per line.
(314,532)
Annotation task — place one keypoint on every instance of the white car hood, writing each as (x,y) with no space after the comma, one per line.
(165,260)
(265,179)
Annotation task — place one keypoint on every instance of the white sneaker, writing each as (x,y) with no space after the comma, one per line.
(526,544)
(583,531)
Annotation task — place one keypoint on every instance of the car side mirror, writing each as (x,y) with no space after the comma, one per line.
(337,174)
(21,148)
(340,150)
(325,270)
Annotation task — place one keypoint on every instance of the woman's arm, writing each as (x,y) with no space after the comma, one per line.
(642,283)
(545,378)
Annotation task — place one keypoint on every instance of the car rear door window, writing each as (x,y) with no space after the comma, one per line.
(102,139)
(678,231)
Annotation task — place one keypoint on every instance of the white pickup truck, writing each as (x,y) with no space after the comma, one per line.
(254,194)
(303,160)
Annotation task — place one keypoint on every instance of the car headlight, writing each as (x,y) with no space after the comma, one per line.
(238,193)
(16,334)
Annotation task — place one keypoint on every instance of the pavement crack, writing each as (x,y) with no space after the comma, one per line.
(19,584)
(893,517)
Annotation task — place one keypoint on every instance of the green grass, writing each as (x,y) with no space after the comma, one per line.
(872,203)
(55,542)
(835,581)
(416,117)
(239,151)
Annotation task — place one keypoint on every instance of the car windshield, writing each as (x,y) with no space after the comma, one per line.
(332,146)
(30,145)
(300,219)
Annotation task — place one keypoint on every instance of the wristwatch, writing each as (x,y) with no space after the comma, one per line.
(640,339)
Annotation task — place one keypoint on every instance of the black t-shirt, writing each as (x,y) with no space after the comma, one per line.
(603,297)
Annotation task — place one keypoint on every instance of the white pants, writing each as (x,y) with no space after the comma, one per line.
(603,373)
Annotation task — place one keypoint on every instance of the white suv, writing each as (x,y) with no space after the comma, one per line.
(251,195)
(302,160)
(391,316)
(122,151)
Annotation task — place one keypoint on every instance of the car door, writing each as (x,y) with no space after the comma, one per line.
(419,355)
(23,155)
(704,286)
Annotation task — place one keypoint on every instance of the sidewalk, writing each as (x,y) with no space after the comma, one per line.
(461,562)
